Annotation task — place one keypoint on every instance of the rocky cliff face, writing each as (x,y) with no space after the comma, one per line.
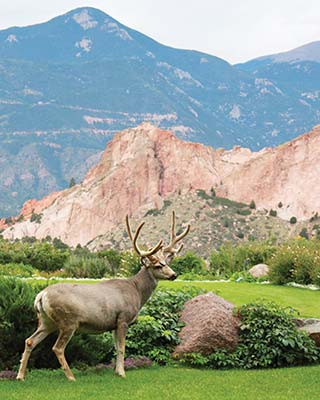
(143,166)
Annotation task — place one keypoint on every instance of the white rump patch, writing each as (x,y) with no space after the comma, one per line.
(85,20)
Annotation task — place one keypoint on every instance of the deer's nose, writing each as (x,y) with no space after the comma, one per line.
(173,277)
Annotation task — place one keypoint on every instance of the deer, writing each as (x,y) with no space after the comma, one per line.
(110,305)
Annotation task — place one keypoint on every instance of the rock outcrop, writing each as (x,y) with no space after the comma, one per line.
(311,326)
(141,167)
(210,325)
(259,270)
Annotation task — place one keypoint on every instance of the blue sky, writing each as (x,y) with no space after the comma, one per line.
(236,30)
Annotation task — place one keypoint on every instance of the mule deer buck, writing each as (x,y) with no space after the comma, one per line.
(110,305)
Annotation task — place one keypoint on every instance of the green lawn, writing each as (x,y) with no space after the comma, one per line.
(306,301)
(184,383)
(169,383)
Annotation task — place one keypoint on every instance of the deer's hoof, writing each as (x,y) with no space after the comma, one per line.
(121,374)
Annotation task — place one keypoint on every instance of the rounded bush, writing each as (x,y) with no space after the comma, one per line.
(189,263)
(297,261)
(268,339)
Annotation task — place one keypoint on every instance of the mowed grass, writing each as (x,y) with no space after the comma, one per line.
(168,383)
(306,301)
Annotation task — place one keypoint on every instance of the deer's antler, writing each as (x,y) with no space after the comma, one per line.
(175,239)
(134,238)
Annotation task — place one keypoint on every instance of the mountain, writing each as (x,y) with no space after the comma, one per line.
(67,85)
(296,73)
(143,169)
(307,53)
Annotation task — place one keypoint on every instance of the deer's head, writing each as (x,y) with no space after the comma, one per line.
(158,258)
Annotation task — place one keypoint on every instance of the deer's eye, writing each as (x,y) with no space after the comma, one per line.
(159,266)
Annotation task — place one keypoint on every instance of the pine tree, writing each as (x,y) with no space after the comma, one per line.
(72,182)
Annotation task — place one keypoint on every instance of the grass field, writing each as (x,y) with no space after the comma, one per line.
(304,300)
(169,383)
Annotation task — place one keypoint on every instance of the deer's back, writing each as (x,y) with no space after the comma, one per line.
(89,307)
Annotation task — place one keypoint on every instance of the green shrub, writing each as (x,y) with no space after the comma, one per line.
(153,211)
(273,213)
(18,321)
(40,255)
(113,258)
(230,259)
(243,276)
(315,275)
(17,269)
(282,267)
(304,233)
(252,205)
(243,211)
(240,234)
(166,204)
(203,194)
(88,266)
(189,263)
(268,338)
(296,261)
(72,182)
(130,263)
(155,334)
(293,220)
(36,218)
(226,222)
(90,349)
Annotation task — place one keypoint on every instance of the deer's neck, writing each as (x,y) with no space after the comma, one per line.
(145,284)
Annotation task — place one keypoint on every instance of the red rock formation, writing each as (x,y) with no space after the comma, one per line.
(141,167)
(36,206)
(209,325)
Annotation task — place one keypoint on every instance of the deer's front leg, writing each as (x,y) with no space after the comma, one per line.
(120,343)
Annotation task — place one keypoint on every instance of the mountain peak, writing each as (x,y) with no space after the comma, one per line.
(87,17)
(307,52)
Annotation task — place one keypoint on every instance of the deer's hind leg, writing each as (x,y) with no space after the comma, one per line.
(38,336)
(59,347)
